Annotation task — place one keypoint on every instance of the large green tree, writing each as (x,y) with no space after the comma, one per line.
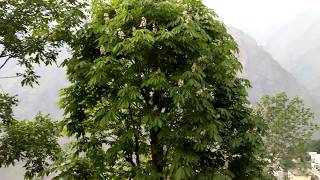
(290,125)
(155,95)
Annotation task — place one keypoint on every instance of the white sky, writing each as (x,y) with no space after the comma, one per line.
(260,18)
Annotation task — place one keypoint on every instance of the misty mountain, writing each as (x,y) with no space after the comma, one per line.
(265,74)
(296,47)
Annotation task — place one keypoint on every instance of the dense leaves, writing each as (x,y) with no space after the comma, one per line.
(32,142)
(155,95)
(6,104)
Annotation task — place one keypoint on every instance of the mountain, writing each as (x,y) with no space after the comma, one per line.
(265,74)
(296,47)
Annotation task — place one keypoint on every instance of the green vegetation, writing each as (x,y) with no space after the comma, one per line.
(31,32)
(154,94)
(290,127)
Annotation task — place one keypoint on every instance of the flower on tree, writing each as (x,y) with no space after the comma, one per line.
(106,17)
(194,67)
(154,28)
(121,34)
(102,50)
(143,23)
(180,83)
(199,92)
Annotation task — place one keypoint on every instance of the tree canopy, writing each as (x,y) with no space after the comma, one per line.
(154,94)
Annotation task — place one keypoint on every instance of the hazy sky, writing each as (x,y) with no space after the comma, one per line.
(260,18)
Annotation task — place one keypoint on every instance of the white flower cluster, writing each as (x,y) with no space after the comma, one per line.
(194,67)
(185,13)
(121,34)
(154,28)
(200,91)
(180,83)
(143,23)
(102,50)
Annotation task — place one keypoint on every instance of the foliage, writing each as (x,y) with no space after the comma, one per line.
(6,104)
(155,95)
(290,126)
(31,31)
(31,142)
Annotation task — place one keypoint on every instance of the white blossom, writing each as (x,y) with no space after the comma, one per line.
(143,23)
(134,29)
(155,108)
(194,67)
(121,34)
(154,28)
(102,50)
(199,92)
(106,17)
(180,83)
(185,12)
(142,76)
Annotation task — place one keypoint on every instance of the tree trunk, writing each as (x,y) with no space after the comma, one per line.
(156,151)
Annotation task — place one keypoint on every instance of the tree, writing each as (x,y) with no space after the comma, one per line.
(32,142)
(290,125)
(31,32)
(155,95)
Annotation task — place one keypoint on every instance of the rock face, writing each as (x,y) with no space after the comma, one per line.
(297,48)
(265,74)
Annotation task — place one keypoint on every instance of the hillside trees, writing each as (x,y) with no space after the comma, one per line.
(290,126)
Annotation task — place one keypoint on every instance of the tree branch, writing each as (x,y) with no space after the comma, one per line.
(5,62)
(8,77)
(136,138)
